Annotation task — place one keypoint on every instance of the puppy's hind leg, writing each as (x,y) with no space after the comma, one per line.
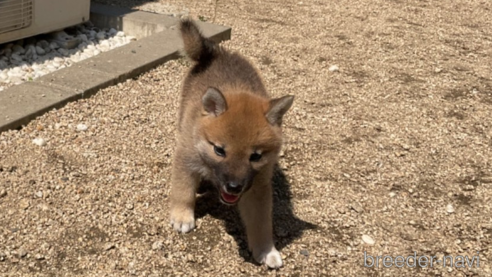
(255,208)
(183,195)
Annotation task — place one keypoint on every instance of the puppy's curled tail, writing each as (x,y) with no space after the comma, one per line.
(196,46)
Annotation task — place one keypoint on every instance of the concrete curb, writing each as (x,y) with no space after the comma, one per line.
(22,103)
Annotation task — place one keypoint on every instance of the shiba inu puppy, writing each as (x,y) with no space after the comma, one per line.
(229,133)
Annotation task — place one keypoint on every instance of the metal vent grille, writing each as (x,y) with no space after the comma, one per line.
(15,14)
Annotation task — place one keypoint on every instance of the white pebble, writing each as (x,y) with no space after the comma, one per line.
(75,58)
(368,240)
(450,208)
(50,67)
(333,68)
(82,127)
(39,141)
(40,57)
(392,194)
(157,245)
(83,56)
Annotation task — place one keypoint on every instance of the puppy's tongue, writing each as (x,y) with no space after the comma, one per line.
(229,198)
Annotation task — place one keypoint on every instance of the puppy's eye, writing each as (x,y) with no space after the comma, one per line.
(255,157)
(219,151)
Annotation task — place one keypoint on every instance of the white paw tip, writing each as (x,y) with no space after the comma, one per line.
(271,259)
(183,227)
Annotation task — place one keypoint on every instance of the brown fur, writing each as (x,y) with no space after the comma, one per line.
(225,107)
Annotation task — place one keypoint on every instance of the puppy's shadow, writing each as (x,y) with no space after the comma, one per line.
(287,227)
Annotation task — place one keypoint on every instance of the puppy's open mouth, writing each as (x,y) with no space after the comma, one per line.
(227,198)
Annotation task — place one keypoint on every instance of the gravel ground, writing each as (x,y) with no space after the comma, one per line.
(388,151)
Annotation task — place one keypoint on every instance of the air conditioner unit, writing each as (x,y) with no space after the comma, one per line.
(25,18)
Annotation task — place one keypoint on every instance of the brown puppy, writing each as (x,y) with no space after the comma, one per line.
(229,133)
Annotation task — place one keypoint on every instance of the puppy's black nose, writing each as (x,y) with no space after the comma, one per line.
(234,187)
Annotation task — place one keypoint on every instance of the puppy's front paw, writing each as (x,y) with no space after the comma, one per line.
(182,222)
(271,258)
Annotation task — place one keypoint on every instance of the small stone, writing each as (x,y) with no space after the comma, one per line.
(112,31)
(22,252)
(83,56)
(157,245)
(63,51)
(450,209)
(31,52)
(304,252)
(39,141)
(92,34)
(16,57)
(39,194)
(3,193)
(368,240)
(409,234)
(40,50)
(406,147)
(75,58)
(39,257)
(61,35)
(3,64)
(18,49)
(392,194)
(58,60)
(332,252)
(356,206)
(2,256)
(70,43)
(333,68)
(24,204)
(43,44)
(105,44)
(101,35)
(82,127)
(109,246)
(54,45)
(342,209)
(129,206)
(83,37)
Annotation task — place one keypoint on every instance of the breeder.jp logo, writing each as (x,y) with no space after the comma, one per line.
(421,261)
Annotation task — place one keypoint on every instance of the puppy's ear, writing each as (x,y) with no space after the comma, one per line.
(278,107)
(214,102)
